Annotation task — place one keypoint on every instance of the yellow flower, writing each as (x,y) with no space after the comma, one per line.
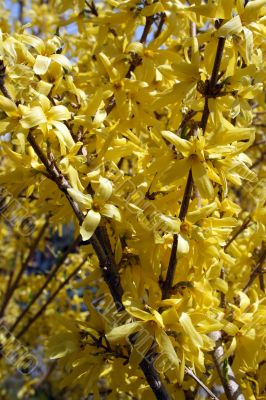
(97,206)
(210,157)
(149,325)
(48,118)
(47,52)
(10,123)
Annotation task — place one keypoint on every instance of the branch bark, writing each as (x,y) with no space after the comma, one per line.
(49,300)
(173,257)
(231,387)
(58,264)
(24,265)
(257,270)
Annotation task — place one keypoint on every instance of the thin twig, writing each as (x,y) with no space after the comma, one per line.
(244,225)
(212,84)
(49,300)
(10,278)
(160,25)
(147,27)
(52,274)
(92,8)
(173,257)
(189,372)
(231,387)
(135,62)
(185,120)
(24,265)
(20,11)
(257,270)
(188,190)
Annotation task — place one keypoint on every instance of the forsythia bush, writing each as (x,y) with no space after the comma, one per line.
(132,200)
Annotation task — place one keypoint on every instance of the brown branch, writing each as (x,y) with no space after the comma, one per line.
(257,270)
(185,120)
(49,300)
(135,62)
(160,25)
(147,27)
(260,142)
(92,8)
(258,161)
(189,372)
(109,270)
(173,257)
(231,387)
(154,380)
(212,84)
(261,279)
(52,274)
(2,80)
(10,278)
(24,265)
(244,225)
(20,11)
(55,175)
(188,190)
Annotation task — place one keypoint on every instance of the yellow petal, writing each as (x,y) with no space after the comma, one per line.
(33,41)
(181,145)
(89,224)
(34,117)
(99,117)
(186,72)
(58,113)
(190,331)
(44,103)
(220,284)
(111,211)
(41,65)
(177,170)
(8,106)
(230,328)
(201,213)
(243,171)
(233,26)
(157,317)
(74,178)
(44,87)
(65,133)
(208,10)
(168,224)
(252,10)
(182,245)
(170,316)
(152,9)
(94,102)
(138,313)
(135,47)
(249,43)
(104,190)
(201,179)
(62,60)
(166,346)
(123,331)
(80,198)
(112,72)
